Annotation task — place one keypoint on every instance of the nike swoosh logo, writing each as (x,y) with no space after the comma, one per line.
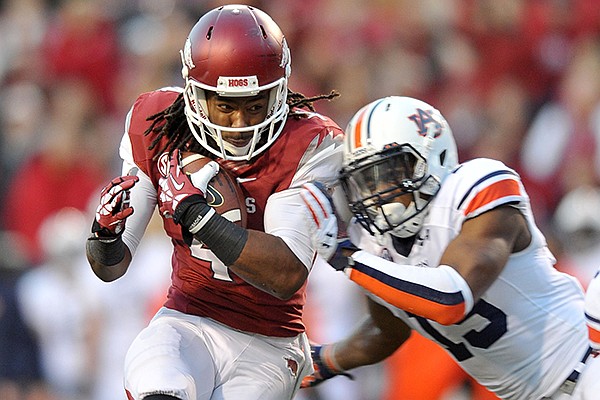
(243,180)
(177,186)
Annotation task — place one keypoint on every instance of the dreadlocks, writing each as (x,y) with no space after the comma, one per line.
(172,124)
(298,100)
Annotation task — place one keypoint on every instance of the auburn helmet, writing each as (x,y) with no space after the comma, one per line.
(235,51)
(395,147)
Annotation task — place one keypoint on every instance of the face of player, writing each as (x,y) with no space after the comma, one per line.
(385,191)
(389,179)
(237,112)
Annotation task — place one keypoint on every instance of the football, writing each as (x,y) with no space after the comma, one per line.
(224,193)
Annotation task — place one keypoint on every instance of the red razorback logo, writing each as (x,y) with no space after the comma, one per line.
(292,366)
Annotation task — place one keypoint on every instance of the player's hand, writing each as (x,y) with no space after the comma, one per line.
(114,207)
(177,186)
(322,222)
(182,196)
(323,365)
(341,257)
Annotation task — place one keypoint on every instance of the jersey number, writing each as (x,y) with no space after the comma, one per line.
(481,339)
(220,271)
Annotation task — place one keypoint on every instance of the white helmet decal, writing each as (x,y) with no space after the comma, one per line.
(186,58)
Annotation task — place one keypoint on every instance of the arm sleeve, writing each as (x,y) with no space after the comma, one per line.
(324,161)
(143,196)
(592,311)
(440,294)
(286,217)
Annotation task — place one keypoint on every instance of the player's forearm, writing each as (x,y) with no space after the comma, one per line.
(267,263)
(109,261)
(261,259)
(440,294)
(367,345)
(378,336)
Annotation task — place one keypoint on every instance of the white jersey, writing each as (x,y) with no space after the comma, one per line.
(592,311)
(527,332)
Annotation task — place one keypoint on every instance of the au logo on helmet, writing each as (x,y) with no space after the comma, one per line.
(425,118)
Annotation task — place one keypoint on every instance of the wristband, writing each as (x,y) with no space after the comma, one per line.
(107,252)
(224,238)
(328,357)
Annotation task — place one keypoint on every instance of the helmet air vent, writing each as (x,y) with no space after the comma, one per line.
(264,33)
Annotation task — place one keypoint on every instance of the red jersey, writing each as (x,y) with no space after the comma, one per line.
(308,148)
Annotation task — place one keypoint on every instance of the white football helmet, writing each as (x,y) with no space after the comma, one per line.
(395,146)
(235,51)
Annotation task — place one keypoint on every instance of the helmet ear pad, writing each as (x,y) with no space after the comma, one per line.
(235,51)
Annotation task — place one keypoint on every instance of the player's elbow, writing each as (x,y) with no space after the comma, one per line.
(443,312)
(280,293)
(109,273)
(448,317)
(287,284)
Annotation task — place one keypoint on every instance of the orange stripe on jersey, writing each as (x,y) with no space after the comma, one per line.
(503,188)
(594,334)
(445,314)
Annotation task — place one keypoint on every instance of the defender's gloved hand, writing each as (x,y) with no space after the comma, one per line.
(324,365)
(341,258)
(114,208)
(323,222)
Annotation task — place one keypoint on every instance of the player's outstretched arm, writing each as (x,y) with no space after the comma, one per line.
(468,267)
(481,250)
(377,337)
(106,252)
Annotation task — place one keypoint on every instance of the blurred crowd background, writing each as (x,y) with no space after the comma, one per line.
(518,80)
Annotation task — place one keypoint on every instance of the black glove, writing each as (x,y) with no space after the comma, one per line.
(341,258)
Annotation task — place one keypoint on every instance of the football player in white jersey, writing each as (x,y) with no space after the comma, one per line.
(592,311)
(450,250)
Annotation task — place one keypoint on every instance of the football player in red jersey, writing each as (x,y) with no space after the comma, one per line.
(231,327)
